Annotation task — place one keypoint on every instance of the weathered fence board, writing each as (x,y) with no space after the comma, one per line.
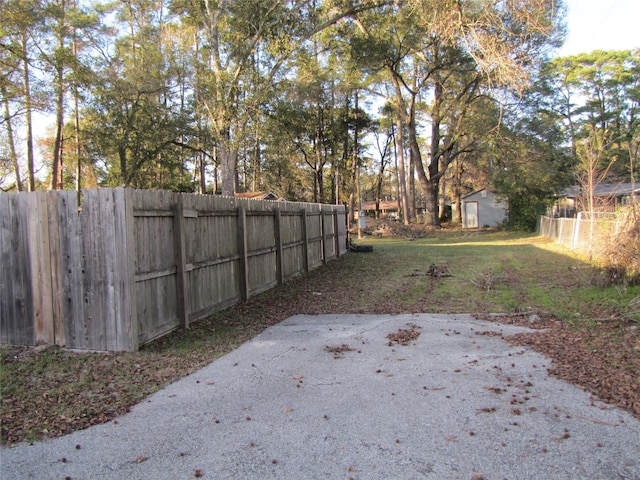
(130,266)
(15,293)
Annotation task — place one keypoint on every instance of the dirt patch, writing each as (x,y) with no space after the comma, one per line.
(339,351)
(603,357)
(404,336)
(433,271)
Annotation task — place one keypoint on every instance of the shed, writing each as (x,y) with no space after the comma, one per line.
(483,208)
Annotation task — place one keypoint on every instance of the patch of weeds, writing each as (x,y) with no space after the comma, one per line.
(509,299)
(488,279)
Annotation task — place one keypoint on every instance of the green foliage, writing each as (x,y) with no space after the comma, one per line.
(258,94)
(597,95)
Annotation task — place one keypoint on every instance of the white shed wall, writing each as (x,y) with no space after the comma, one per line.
(491,211)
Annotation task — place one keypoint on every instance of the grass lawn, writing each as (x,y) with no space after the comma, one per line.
(591,332)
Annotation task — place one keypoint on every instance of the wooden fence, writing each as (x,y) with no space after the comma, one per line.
(131,266)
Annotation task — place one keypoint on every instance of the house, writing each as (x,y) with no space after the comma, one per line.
(258,196)
(388,208)
(607,197)
(483,209)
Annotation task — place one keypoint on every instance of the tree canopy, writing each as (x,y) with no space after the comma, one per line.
(416,101)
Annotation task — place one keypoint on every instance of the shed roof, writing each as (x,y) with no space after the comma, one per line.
(476,192)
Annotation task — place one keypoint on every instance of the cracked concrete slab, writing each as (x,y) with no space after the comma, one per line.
(332,396)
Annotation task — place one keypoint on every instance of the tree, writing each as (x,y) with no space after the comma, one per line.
(20,34)
(534,162)
(244,37)
(597,95)
(474,153)
(137,125)
(383,133)
(424,45)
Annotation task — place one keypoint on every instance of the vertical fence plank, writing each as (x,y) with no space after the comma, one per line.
(107,338)
(336,233)
(71,266)
(277,219)
(16,296)
(132,266)
(40,279)
(6,282)
(324,229)
(305,239)
(56,294)
(90,331)
(45,327)
(182,293)
(244,259)
(125,291)
(24,318)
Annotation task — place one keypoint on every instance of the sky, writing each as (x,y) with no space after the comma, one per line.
(601,25)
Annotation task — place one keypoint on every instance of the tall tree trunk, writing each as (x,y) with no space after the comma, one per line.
(122,155)
(10,139)
(56,170)
(402,172)
(456,213)
(28,114)
(401,113)
(76,107)
(356,162)
(229,168)
(442,206)
(412,184)
(345,157)
(397,174)
(415,161)
(76,127)
(430,182)
(255,170)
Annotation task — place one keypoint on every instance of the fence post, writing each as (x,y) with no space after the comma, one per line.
(278,238)
(305,240)
(182,292)
(576,231)
(244,259)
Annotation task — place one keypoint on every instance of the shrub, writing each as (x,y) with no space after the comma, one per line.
(619,250)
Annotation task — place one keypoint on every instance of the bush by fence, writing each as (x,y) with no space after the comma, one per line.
(133,265)
(612,243)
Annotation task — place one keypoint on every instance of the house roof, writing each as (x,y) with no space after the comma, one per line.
(257,195)
(384,205)
(604,190)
